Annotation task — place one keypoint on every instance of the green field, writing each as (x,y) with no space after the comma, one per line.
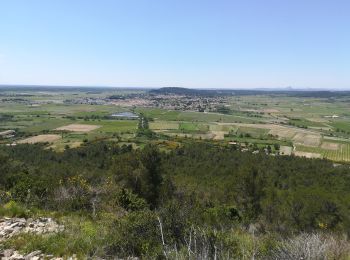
(342,154)
(164,125)
(341,125)
(256,132)
(294,114)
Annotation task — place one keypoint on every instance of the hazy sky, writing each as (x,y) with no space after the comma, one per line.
(185,43)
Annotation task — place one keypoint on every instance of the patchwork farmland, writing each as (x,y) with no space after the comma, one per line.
(304,127)
(78,128)
(40,139)
(339,155)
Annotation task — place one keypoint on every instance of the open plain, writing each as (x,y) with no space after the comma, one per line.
(318,124)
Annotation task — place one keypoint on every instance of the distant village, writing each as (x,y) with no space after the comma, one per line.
(170,102)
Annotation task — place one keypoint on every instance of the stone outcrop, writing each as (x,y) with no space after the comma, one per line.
(10,254)
(12,226)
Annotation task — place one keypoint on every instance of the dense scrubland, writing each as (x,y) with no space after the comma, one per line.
(199,175)
(199,200)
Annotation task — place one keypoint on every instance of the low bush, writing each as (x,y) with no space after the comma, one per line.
(14,209)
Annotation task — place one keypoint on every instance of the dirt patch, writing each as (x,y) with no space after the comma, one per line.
(307,155)
(283,133)
(270,110)
(307,139)
(219,135)
(326,128)
(317,120)
(286,150)
(75,144)
(299,138)
(312,140)
(330,146)
(40,139)
(78,128)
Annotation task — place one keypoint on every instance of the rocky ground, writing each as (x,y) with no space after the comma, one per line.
(10,227)
(10,254)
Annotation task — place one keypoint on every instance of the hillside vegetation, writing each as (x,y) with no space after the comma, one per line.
(198,200)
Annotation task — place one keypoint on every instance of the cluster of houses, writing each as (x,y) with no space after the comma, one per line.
(171,102)
(184,102)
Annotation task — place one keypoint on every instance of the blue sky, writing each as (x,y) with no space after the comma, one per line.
(184,43)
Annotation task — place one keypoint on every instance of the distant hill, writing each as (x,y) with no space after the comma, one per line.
(189,92)
(242,92)
(178,91)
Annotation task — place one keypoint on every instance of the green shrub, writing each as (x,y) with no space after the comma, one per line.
(136,234)
(13,209)
(130,201)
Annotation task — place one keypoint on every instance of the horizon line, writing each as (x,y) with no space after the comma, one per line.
(288,88)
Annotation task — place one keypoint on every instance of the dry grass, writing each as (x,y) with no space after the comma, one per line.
(307,155)
(317,120)
(40,139)
(222,127)
(59,146)
(218,135)
(312,140)
(330,146)
(313,247)
(78,128)
(262,126)
(283,133)
(307,139)
(269,110)
(298,136)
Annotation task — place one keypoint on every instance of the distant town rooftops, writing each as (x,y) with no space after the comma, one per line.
(125,115)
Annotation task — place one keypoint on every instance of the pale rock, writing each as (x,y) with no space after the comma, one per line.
(16,256)
(32,254)
(7,252)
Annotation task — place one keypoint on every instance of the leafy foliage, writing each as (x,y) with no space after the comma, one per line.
(149,203)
